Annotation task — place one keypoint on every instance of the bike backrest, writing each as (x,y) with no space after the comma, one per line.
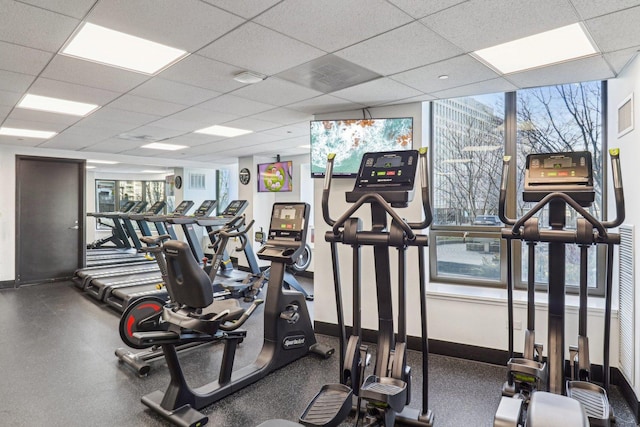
(187,281)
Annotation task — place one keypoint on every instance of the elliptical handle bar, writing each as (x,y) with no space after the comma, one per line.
(382,202)
(326,190)
(503,193)
(424,187)
(617,189)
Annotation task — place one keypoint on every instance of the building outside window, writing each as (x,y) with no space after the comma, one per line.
(470,136)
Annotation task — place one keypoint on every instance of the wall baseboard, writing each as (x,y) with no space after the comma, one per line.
(487,355)
(7,284)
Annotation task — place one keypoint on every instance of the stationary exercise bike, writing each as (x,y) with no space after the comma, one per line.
(385,182)
(145,314)
(288,332)
(536,392)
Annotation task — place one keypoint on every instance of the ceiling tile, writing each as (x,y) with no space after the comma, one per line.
(588,9)
(74,8)
(487,86)
(69,141)
(401,49)
(250,123)
(475,24)
(15,82)
(620,58)
(462,70)
(277,92)
(246,9)
(297,130)
(34,27)
(140,104)
(184,24)
(23,59)
(155,132)
(283,116)
(325,104)
(107,115)
(420,9)
(95,134)
(377,92)
(594,68)
(198,117)
(20,141)
(88,73)
(176,92)
(194,139)
(616,31)
(35,125)
(331,25)
(263,50)
(235,105)
(113,145)
(73,92)
(44,117)
(203,72)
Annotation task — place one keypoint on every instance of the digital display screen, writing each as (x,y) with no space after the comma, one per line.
(390,169)
(205,208)
(287,220)
(351,139)
(551,167)
(182,207)
(275,177)
(235,207)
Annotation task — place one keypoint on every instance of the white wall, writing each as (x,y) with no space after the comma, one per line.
(628,82)
(456,313)
(260,203)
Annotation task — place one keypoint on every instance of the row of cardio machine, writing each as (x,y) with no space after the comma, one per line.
(535,393)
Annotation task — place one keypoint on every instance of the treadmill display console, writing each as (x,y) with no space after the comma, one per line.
(235,208)
(138,208)
(205,208)
(183,207)
(570,173)
(127,206)
(156,207)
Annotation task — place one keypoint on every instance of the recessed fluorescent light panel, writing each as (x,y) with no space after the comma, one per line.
(161,146)
(56,105)
(223,131)
(89,167)
(27,133)
(110,47)
(103,162)
(153,171)
(550,47)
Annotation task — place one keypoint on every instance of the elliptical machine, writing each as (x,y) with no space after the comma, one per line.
(555,181)
(385,181)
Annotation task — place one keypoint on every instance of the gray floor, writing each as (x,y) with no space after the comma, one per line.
(58,369)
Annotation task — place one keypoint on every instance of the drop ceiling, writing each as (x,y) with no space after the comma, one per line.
(400,47)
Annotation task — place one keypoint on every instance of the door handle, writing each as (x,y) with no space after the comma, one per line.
(75,227)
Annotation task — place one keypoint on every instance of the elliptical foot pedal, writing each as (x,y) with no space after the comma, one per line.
(385,390)
(330,406)
(594,400)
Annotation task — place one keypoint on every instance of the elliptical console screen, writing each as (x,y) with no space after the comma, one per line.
(559,169)
(287,221)
(392,170)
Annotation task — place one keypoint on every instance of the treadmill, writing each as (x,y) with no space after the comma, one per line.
(102,288)
(84,276)
(119,297)
(118,238)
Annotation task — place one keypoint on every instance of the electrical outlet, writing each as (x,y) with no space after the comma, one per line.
(517,325)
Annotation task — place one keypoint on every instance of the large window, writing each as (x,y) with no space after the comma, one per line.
(112,194)
(469,138)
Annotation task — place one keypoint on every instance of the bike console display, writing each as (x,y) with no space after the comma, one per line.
(287,232)
(570,173)
(390,174)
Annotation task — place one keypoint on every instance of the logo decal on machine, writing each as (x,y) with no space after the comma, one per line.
(293,341)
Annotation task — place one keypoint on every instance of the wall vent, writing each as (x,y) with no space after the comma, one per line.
(197,181)
(625,116)
(626,319)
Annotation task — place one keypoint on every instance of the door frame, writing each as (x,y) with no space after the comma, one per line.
(82,210)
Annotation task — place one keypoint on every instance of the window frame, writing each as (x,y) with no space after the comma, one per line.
(510,149)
